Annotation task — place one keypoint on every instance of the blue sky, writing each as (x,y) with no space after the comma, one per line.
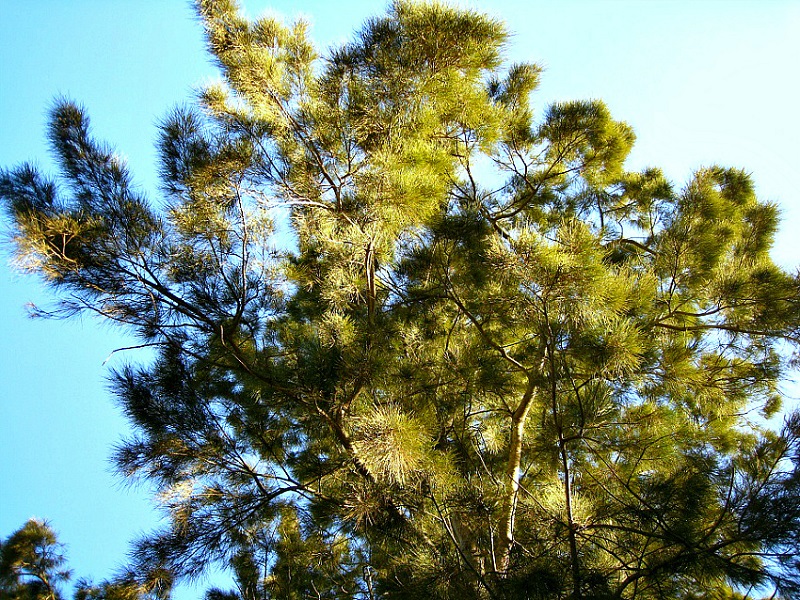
(701,82)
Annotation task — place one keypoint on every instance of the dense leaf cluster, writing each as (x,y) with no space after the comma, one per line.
(417,340)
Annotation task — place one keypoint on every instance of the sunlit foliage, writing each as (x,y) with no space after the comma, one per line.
(420,338)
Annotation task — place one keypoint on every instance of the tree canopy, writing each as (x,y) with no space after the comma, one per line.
(32,563)
(417,337)
(33,567)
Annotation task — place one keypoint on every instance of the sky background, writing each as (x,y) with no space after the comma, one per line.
(701,82)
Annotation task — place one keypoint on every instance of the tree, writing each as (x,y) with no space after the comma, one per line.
(32,563)
(415,340)
(33,567)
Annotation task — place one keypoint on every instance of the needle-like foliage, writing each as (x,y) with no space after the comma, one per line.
(419,338)
(32,564)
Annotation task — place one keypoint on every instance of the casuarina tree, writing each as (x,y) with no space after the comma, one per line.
(419,338)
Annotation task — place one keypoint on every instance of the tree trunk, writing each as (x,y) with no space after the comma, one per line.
(513,472)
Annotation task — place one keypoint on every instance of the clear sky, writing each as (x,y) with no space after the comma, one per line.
(701,82)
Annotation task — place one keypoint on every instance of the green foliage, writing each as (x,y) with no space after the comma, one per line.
(32,563)
(417,339)
(33,567)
